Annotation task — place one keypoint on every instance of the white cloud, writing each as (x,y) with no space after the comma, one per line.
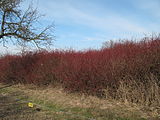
(150,6)
(97,37)
(67,13)
(150,9)
(10,49)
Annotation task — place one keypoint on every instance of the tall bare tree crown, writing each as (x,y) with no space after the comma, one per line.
(19,26)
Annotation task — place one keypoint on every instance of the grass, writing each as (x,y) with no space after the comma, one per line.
(63,106)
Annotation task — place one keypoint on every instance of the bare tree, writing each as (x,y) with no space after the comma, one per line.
(108,44)
(21,27)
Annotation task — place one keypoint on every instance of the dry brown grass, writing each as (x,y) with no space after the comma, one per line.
(58,96)
(146,95)
(79,102)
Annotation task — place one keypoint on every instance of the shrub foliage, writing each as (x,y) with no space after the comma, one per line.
(127,70)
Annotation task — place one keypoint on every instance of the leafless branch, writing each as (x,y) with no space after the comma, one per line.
(21,26)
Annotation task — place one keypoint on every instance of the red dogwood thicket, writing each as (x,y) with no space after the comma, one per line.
(89,71)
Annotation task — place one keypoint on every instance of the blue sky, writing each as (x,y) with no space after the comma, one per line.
(85,24)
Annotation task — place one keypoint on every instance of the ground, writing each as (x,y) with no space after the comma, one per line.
(54,104)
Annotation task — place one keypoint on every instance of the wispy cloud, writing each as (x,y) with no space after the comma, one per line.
(67,13)
(150,6)
(97,37)
(93,22)
(11,49)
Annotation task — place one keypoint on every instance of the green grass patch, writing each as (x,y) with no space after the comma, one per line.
(61,112)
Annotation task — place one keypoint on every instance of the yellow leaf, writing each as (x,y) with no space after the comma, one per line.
(30,104)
